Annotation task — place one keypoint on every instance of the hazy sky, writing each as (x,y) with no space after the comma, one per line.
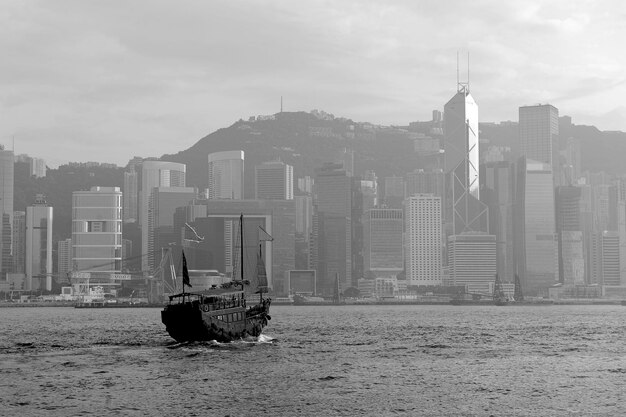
(107,80)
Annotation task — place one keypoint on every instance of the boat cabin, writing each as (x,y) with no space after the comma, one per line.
(214,299)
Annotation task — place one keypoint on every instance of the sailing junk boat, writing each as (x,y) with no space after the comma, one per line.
(220,313)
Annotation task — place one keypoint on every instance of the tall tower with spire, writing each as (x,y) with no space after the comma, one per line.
(460,131)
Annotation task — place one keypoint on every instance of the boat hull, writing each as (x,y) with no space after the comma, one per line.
(189,322)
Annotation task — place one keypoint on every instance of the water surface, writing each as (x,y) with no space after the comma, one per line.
(319,361)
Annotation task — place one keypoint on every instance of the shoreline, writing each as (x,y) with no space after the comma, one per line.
(324,304)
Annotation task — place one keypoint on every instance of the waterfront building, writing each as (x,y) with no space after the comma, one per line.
(536,242)
(383,242)
(97,232)
(423,239)
(570,235)
(472,261)
(497,192)
(226,175)
(572,259)
(610,259)
(39,245)
(334,204)
(539,135)
(301,282)
(273,181)
(154,174)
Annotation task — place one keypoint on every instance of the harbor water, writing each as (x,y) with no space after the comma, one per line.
(319,361)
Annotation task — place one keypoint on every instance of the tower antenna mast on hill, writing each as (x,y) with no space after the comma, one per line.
(462,86)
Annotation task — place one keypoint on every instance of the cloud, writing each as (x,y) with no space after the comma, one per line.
(109,82)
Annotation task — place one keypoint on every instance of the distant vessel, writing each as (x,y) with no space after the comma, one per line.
(499,298)
(220,313)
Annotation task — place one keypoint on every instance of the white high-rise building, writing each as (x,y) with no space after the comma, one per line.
(423,239)
(460,131)
(226,175)
(463,210)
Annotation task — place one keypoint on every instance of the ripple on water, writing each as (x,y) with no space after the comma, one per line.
(352,360)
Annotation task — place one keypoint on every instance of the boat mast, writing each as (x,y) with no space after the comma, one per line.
(257,272)
(241,251)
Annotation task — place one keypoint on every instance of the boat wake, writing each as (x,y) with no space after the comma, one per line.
(235,344)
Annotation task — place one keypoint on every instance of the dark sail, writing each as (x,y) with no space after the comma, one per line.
(260,271)
(185,273)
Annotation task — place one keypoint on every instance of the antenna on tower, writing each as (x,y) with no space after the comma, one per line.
(468,82)
(457,71)
(462,86)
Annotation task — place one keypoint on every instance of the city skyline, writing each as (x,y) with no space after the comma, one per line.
(88,85)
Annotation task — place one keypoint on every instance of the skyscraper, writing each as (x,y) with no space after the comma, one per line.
(64,261)
(161,232)
(155,174)
(497,192)
(610,259)
(472,261)
(423,239)
(333,190)
(273,181)
(226,174)
(570,235)
(423,181)
(130,190)
(539,133)
(463,211)
(6,210)
(39,245)
(536,252)
(383,241)
(37,167)
(394,191)
(19,242)
(460,130)
(97,232)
